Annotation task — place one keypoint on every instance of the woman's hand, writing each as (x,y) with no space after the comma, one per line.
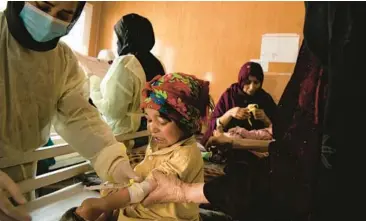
(219,140)
(220,148)
(7,211)
(259,154)
(259,114)
(124,172)
(236,112)
(217,133)
(239,113)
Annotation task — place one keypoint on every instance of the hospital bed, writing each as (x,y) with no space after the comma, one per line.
(51,207)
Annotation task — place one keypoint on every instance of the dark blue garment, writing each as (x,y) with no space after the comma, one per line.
(43,165)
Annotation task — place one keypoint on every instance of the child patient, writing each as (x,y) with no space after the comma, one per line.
(174,105)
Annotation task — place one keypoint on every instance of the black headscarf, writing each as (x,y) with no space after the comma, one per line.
(136,36)
(20,33)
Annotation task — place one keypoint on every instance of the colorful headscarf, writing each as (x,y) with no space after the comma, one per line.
(182,97)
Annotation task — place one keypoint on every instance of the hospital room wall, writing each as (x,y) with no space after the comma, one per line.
(94,32)
(209,39)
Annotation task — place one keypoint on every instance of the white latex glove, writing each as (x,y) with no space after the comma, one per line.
(165,189)
(7,211)
(123,172)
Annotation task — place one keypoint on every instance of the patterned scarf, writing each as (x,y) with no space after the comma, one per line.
(181,97)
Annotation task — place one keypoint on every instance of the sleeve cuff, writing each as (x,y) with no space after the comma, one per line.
(95,82)
(108,159)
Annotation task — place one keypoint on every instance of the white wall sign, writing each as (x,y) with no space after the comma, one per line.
(279,47)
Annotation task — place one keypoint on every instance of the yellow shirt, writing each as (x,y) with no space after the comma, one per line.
(182,159)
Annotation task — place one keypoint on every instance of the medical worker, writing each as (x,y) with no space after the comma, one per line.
(41,84)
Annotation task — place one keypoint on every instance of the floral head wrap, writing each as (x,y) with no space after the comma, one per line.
(181,97)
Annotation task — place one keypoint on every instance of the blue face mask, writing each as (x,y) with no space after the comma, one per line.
(40,25)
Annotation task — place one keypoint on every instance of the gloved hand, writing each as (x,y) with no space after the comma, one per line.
(138,191)
(165,189)
(122,173)
(7,211)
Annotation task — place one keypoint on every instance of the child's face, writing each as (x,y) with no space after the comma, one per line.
(164,132)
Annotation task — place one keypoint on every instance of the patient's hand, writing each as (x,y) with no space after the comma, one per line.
(93,209)
(219,140)
(217,133)
(259,154)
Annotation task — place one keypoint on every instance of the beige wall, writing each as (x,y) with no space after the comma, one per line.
(201,37)
(94,32)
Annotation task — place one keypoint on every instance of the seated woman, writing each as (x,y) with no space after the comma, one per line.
(118,95)
(244,104)
(174,105)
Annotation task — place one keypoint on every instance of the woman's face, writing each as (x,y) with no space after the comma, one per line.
(164,132)
(252,85)
(63,11)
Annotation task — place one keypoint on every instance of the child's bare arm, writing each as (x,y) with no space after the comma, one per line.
(92,208)
(118,198)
